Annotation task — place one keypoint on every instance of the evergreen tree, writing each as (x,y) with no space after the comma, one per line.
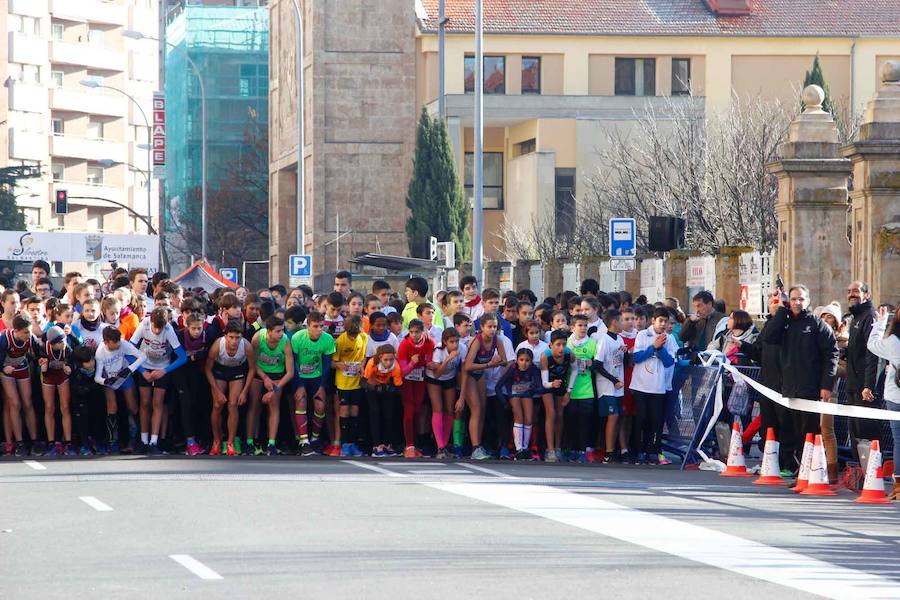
(11,218)
(434,197)
(815,77)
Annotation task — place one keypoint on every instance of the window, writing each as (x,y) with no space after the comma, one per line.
(681,76)
(56,78)
(564,213)
(57,30)
(493,179)
(95,130)
(531,75)
(95,176)
(253,80)
(95,219)
(28,25)
(526,147)
(57,126)
(33,217)
(58,171)
(494,74)
(95,37)
(635,77)
(30,74)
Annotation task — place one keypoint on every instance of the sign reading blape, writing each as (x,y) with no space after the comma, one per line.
(158,139)
(28,246)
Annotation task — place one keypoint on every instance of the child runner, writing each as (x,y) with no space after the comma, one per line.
(611,352)
(230,368)
(156,338)
(89,328)
(54,355)
(274,370)
(190,378)
(626,423)
(425,313)
(558,374)
(379,334)
(17,349)
(334,326)
(519,384)
(383,377)
(580,411)
(533,334)
(483,353)
(87,397)
(313,349)
(451,304)
(495,404)
(472,306)
(414,354)
(114,372)
(441,377)
(349,356)
(524,315)
(559,321)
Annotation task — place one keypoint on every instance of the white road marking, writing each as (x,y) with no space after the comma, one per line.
(363,465)
(692,542)
(195,566)
(95,504)
(486,470)
(440,472)
(413,464)
(35,465)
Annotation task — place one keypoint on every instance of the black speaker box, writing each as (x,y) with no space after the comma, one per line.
(666,233)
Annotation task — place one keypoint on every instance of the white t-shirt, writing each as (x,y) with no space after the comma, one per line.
(611,352)
(650,375)
(439,355)
(601,329)
(435,333)
(109,363)
(156,347)
(536,350)
(493,375)
(91,339)
(373,345)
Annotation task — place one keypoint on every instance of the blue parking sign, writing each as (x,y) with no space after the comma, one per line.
(300,265)
(622,240)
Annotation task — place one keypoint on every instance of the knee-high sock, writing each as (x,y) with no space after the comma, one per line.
(317,421)
(437,426)
(302,423)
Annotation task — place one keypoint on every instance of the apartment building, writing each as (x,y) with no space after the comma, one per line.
(78,92)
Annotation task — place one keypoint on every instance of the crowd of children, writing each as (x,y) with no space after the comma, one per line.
(139,365)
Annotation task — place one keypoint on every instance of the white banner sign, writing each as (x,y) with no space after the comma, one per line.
(131,250)
(701,273)
(652,281)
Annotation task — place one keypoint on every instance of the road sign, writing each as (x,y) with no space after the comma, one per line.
(230,275)
(622,239)
(301,265)
(621,264)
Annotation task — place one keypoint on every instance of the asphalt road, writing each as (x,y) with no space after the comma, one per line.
(326,528)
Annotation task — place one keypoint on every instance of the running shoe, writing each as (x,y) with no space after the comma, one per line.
(8,448)
(609,458)
(480,454)
(641,458)
(306,450)
(652,459)
(355,451)
(84,451)
(389,451)
(272,450)
(378,452)
(523,455)
(662,460)
(258,450)
(51,449)
(238,447)
(193,449)
(230,450)
(591,456)
(20,449)
(535,455)
(579,457)
(411,452)
(550,456)
(457,452)
(559,455)
(504,453)
(153,450)
(625,457)
(215,449)
(70,450)
(345,451)
(114,448)
(333,450)
(129,447)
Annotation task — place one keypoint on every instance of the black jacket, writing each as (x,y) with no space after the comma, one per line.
(808,353)
(767,356)
(862,365)
(697,335)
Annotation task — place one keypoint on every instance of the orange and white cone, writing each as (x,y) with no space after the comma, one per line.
(818,473)
(873,487)
(770,473)
(805,464)
(736,466)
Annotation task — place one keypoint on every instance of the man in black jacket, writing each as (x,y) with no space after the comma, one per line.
(808,356)
(862,365)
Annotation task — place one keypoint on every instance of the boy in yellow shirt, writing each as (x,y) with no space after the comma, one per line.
(349,357)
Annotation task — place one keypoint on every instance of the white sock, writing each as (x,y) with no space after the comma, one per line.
(145,437)
(526,436)
(154,439)
(517,435)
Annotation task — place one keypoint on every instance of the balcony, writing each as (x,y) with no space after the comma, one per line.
(85,194)
(28,8)
(26,96)
(87,149)
(27,145)
(89,11)
(93,102)
(145,20)
(505,110)
(100,58)
(27,49)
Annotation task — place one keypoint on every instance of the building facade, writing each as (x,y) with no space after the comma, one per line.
(228,42)
(68,74)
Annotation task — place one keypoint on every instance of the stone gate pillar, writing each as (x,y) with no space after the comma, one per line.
(876,191)
(811,209)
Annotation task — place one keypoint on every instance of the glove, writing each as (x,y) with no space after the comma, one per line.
(124,373)
(109,381)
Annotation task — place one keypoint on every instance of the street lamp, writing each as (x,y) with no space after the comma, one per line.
(301,188)
(137,35)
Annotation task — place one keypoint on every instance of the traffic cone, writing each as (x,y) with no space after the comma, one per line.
(873,488)
(818,473)
(736,466)
(805,463)
(770,473)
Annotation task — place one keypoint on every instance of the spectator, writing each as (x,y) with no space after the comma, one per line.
(862,365)
(699,329)
(887,347)
(342,282)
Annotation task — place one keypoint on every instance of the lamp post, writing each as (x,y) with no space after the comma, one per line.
(478,209)
(137,35)
(301,141)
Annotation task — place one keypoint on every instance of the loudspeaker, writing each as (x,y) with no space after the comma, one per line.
(666,233)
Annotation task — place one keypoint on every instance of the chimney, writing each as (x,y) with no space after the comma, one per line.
(728,8)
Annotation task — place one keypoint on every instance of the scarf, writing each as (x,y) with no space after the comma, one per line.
(474,302)
(90,325)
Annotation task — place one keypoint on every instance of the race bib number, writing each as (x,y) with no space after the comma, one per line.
(19,362)
(308,369)
(56,365)
(521,388)
(417,374)
(352,369)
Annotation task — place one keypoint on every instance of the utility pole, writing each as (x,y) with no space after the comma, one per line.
(301,141)
(442,23)
(478,209)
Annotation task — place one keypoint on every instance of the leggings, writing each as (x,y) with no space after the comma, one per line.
(382,401)
(85,408)
(188,386)
(413,393)
(649,414)
(579,416)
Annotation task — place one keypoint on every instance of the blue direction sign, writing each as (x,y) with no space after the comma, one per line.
(622,238)
(301,265)
(229,275)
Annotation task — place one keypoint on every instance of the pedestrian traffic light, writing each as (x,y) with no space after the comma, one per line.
(61,207)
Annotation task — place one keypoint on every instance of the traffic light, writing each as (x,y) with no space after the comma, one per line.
(61,207)
(432,247)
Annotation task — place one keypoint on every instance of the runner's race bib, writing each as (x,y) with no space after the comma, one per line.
(352,369)
(308,369)
(417,374)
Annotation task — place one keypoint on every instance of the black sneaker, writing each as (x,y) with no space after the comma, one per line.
(20,450)
(38,448)
(306,450)
(272,450)
(609,458)
(153,450)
